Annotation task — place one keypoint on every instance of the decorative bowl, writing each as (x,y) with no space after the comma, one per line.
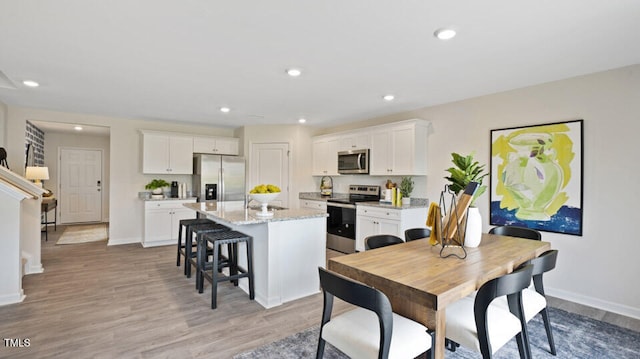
(264,199)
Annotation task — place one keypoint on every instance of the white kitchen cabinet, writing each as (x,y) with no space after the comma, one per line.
(311,204)
(399,149)
(325,156)
(372,220)
(164,153)
(162,219)
(357,140)
(216,145)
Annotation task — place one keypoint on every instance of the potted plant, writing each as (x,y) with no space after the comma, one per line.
(406,187)
(156,186)
(467,170)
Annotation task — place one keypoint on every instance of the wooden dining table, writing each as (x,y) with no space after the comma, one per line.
(420,284)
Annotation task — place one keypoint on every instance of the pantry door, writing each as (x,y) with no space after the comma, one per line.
(270,165)
(80,185)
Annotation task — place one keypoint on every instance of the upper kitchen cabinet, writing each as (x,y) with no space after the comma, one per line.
(165,153)
(216,145)
(357,140)
(325,156)
(399,149)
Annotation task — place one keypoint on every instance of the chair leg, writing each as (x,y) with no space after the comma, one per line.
(249,245)
(547,327)
(200,263)
(179,244)
(320,351)
(214,276)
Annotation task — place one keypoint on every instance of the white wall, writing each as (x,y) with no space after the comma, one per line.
(125,209)
(601,268)
(54,141)
(3,125)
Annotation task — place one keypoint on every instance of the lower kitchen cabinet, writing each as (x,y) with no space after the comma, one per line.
(161,221)
(311,204)
(372,220)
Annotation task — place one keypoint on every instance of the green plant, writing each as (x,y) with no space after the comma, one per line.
(156,183)
(466,170)
(406,187)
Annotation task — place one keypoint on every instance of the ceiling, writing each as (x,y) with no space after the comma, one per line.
(183,60)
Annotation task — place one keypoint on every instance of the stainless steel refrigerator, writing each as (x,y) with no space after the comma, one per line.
(218,178)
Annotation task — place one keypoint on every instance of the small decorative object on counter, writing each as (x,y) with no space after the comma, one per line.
(156,187)
(264,193)
(406,187)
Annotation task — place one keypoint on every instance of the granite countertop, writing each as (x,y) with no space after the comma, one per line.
(169,199)
(236,213)
(316,196)
(415,203)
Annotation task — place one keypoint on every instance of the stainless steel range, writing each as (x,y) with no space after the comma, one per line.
(341,224)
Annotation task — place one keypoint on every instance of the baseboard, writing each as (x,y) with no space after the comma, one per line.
(119,241)
(33,269)
(167,242)
(12,298)
(617,308)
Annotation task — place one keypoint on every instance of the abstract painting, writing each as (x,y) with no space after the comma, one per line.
(536,177)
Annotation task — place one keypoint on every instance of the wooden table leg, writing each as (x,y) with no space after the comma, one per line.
(440,328)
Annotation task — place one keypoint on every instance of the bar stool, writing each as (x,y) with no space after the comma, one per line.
(198,230)
(185,224)
(235,271)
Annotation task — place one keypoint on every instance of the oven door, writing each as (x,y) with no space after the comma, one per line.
(341,227)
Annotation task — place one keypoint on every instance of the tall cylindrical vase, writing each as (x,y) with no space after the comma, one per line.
(473,231)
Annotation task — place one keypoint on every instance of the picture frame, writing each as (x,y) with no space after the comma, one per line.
(536,177)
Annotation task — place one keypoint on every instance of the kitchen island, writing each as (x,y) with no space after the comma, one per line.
(288,248)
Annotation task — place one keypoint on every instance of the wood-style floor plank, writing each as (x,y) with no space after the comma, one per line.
(95,301)
(133,302)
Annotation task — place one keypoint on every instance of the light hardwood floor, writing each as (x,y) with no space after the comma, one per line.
(133,302)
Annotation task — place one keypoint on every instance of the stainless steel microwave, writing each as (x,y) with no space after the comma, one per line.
(353,162)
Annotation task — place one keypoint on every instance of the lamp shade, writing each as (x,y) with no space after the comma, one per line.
(37,173)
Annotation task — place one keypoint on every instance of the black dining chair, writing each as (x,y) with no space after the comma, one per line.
(381,240)
(367,330)
(515,231)
(470,325)
(412,234)
(534,300)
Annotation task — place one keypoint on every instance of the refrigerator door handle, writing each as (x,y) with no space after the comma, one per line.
(221,186)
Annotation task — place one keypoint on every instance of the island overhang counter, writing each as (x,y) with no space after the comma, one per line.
(288,248)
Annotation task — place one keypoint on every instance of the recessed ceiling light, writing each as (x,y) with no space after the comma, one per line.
(302,120)
(30,83)
(224,109)
(294,72)
(78,128)
(445,34)
(388,97)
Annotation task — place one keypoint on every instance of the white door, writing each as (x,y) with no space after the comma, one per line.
(80,185)
(270,165)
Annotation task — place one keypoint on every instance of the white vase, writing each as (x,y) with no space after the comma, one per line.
(157,191)
(473,231)
(406,201)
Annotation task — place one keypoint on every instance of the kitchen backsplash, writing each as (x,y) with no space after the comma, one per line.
(341,183)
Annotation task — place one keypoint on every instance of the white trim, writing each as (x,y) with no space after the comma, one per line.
(12,298)
(625,310)
(119,241)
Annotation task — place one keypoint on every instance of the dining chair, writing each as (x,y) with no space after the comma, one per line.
(367,330)
(412,234)
(515,231)
(381,240)
(476,324)
(534,300)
